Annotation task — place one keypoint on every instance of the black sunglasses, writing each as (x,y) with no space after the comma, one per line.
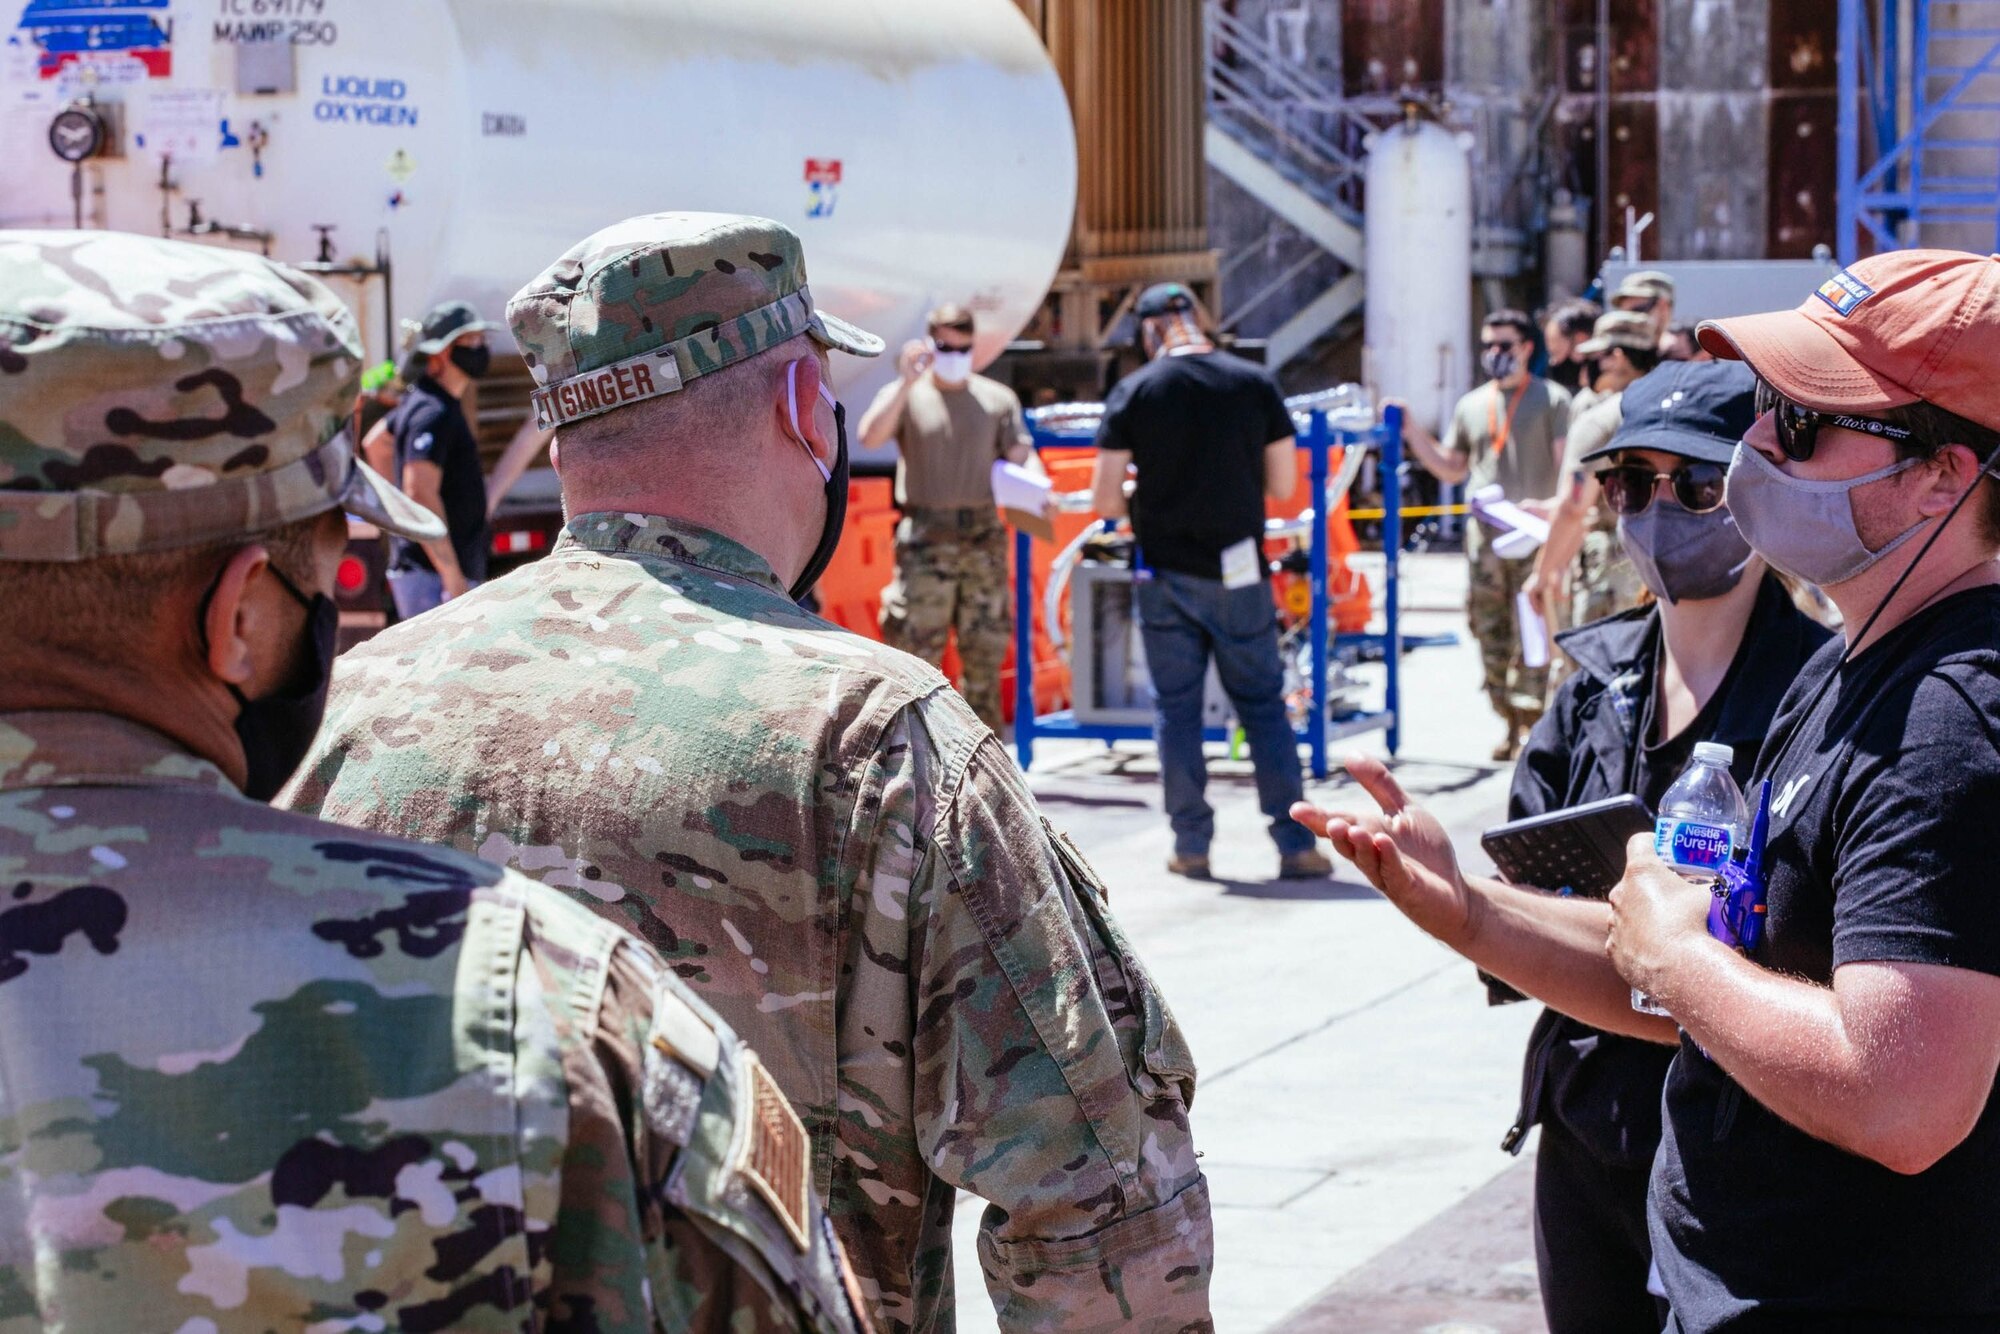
(1799,426)
(1629,487)
(1507,346)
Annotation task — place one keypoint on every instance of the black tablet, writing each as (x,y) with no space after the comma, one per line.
(1579,850)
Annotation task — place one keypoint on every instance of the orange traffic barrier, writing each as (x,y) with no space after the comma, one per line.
(851,589)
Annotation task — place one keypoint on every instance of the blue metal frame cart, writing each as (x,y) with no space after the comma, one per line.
(1318,441)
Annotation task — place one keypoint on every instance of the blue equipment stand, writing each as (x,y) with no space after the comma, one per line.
(1317,735)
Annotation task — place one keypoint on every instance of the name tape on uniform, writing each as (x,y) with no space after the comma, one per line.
(649,376)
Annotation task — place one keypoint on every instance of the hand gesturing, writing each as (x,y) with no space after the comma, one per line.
(1403,851)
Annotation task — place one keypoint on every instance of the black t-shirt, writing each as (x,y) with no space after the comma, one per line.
(1605,1089)
(1880,850)
(429,426)
(1196,426)
(1655,763)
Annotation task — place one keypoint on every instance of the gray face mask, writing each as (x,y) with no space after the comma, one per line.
(1806,529)
(1683,557)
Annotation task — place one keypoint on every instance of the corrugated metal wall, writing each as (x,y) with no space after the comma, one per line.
(1805,123)
(1386,44)
(1698,91)
(1133,69)
(1135,76)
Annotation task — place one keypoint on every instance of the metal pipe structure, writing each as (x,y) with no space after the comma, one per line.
(1073,423)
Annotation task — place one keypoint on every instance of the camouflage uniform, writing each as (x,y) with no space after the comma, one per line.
(1602,581)
(951,547)
(819,836)
(267,1073)
(1528,434)
(951,574)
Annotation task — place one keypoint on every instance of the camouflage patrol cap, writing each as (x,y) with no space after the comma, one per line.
(1619,328)
(646,305)
(1645,285)
(157,395)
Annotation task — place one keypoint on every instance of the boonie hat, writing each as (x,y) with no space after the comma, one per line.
(1697,409)
(642,307)
(1645,285)
(1893,329)
(442,323)
(1163,299)
(1619,328)
(157,394)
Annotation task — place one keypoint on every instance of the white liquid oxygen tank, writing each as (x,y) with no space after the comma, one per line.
(924,152)
(1418,228)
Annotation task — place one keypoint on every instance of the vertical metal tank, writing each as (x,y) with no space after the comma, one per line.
(924,152)
(1418,228)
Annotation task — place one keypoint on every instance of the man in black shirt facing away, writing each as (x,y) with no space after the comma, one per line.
(1831,1152)
(1211,437)
(437,461)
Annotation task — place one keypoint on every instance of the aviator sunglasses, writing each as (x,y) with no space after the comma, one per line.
(1697,486)
(1799,426)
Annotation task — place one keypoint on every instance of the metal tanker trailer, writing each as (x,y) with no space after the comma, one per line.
(425,148)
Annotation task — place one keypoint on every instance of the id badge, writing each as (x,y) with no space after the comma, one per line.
(1242,564)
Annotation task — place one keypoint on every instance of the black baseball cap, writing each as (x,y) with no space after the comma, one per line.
(1163,299)
(1697,409)
(444,322)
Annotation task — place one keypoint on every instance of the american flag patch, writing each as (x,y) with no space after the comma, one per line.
(777,1157)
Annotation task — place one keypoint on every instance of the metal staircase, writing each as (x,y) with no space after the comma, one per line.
(1919,149)
(1296,146)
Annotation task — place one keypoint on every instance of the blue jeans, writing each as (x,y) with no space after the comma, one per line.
(1185,621)
(416,591)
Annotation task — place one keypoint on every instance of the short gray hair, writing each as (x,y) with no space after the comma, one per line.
(682,424)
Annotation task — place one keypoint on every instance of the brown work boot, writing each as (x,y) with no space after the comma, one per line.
(1510,747)
(1308,865)
(1193,865)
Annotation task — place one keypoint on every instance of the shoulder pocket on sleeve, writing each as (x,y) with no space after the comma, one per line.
(1157,1059)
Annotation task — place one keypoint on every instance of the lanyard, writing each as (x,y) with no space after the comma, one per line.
(1496,430)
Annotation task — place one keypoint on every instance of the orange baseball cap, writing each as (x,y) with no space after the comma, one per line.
(1895,328)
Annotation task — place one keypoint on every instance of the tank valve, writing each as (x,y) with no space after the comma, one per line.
(77,132)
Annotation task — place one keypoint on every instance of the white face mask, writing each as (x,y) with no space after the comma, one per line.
(951,367)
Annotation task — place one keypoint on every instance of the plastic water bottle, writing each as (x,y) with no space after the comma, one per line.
(1700,825)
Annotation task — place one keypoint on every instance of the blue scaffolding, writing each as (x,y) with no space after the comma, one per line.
(1318,440)
(1901,74)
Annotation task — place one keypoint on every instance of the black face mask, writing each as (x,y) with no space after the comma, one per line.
(276,731)
(474,361)
(1570,374)
(836,513)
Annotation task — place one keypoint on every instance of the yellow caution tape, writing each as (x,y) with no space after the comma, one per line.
(1412,512)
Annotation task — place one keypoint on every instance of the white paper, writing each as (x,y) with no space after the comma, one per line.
(1534,632)
(1518,533)
(1243,564)
(1016,488)
(184,124)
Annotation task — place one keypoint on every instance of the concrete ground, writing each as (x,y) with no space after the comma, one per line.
(1354,1083)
